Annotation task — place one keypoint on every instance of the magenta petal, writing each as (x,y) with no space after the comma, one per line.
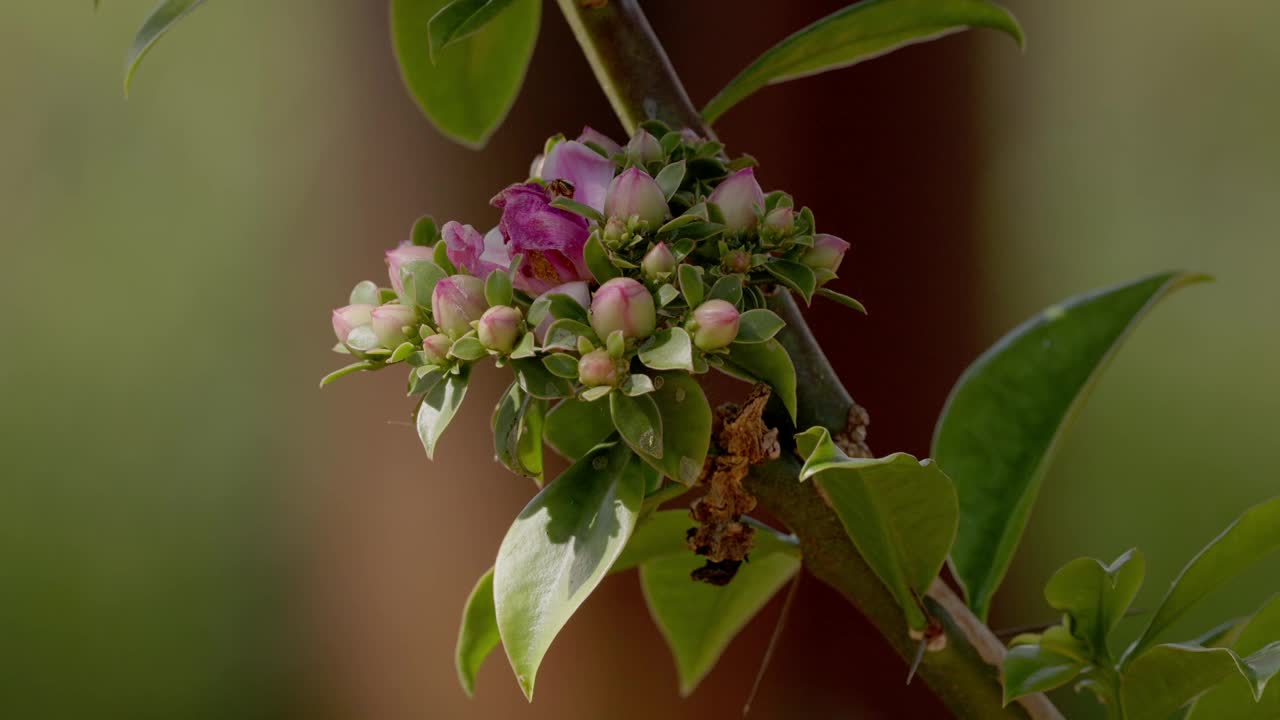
(468,250)
(585,168)
(550,239)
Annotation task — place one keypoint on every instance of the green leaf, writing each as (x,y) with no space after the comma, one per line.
(1031,669)
(699,620)
(560,548)
(471,85)
(424,379)
(856,33)
(564,334)
(478,635)
(402,352)
(901,513)
(347,370)
(497,288)
(562,365)
(536,380)
(366,293)
(577,208)
(517,432)
(669,349)
(686,425)
(419,279)
(1253,535)
(766,362)
(1167,677)
(1096,596)
(438,407)
(757,326)
(574,427)
(639,423)
(727,288)
(1008,411)
(691,286)
(459,20)
(797,276)
(669,179)
(598,262)
(844,300)
(468,348)
(563,307)
(425,233)
(160,21)
(1233,699)
(637,385)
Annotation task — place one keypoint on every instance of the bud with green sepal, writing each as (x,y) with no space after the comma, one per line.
(499,328)
(626,305)
(456,302)
(714,325)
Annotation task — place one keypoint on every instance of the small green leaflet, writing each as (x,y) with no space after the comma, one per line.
(162,18)
(856,33)
(900,513)
(1007,413)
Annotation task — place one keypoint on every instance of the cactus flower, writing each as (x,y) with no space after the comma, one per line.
(350,317)
(404,253)
(738,197)
(499,328)
(826,253)
(658,262)
(635,193)
(623,304)
(714,324)
(390,323)
(456,302)
(597,368)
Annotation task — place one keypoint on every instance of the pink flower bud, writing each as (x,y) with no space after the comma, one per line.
(644,148)
(577,290)
(623,304)
(346,319)
(738,196)
(456,302)
(404,254)
(436,348)
(390,322)
(714,324)
(499,328)
(781,220)
(737,261)
(597,368)
(826,253)
(635,193)
(659,261)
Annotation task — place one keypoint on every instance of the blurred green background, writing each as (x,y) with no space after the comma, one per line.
(188,528)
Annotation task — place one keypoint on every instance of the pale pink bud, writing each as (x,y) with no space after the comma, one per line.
(499,328)
(577,290)
(436,348)
(826,253)
(404,254)
(738,197)
(390,322)
(781,220)
(635,193)
(597,368)
(456,302)
(644,148)
(714,324)
(623,304)
(658,261)
(346,319)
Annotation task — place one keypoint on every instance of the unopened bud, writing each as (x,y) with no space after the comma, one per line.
(714,324)
(390,323)
(597,368)
(457,301)
(614,231)
(635,193)
(436,348)
(623,304)
(499,328)
(826,253)
(404,254)
(780,221)
(346,319)
(737,261)
(644,148)
(658,262)
(738,197)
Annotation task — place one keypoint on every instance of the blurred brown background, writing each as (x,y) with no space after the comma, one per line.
(189,529)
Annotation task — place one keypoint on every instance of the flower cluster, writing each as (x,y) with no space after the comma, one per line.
(609,267)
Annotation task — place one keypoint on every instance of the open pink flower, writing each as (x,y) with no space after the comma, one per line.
(589,172)
(550,239)
(477,254)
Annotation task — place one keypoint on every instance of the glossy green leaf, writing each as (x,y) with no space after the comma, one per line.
(478,635)
(366,293)
(598,262)
(638,422)
(766,362)
(669,179)
(471,85)
(577,208)
(759,325)
(1096,596)
(574,427)
(160,21)
(691,285)
(423,379)
(699,620)
(637,385)
(347,370)
(1032,668)
(1167,677)
(669,349)
(901,513)
(686,423)
(468,348)
(841,298)
(425,232)
(438,407)
(1253,535)
(460,19)
(560,548)
(419,279)
(1008,411)
(564,334)
(517,432)
(797,276)
(856,33)
(727,288)
(1233,699)
(562,365)
(497,289)
(538,381)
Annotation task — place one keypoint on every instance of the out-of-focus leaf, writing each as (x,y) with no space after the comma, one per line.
(1096,596)
(347,370)
(856,33)
(1233,699)
(1008,411)
(1034,668)
(478,635)
(1167,677)
(471,85)
(901,513)
(459,20)
(160,21)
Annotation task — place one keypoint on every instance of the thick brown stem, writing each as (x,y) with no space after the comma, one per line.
(635,73)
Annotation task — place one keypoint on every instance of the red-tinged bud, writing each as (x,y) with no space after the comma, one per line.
(436,348)
(739,197)
(736,261)
(597,368)
(714,324)
(635,193)
(457,301)
(658,262)
(623,304)
(499,328)
(780,221)
(826,253)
